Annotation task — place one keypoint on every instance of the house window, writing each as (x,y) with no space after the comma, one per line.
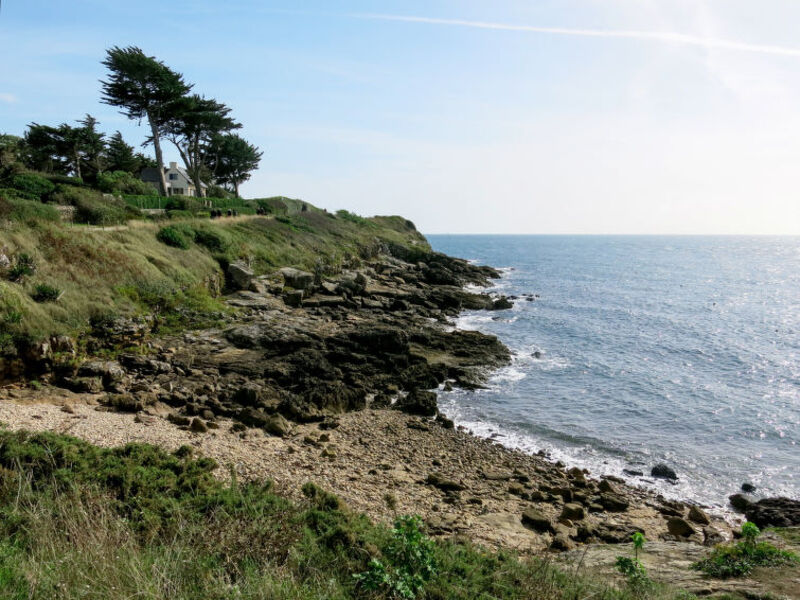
(173,176)
(177,191)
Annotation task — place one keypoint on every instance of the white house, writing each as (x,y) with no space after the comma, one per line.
(178,181)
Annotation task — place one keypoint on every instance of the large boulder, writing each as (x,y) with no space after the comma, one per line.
(297,279)
(240,275)
(679,527)
(573,512)
(698,515)
(740,502)
(774,512)
(613,502)
(533,519)
(277,425)
(108,370)
(418,402)
(662,471)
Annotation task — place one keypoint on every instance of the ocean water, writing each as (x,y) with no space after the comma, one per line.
(683,350)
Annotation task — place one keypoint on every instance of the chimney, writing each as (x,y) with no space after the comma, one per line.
(173,166)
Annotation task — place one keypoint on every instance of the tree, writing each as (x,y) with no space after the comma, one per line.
(66,149)
(44,149)
(232,159)
(88,147)
(120,155)
(11,149)
(143,87)
(194,124)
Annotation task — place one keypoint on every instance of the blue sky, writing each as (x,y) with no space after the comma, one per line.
(562,116)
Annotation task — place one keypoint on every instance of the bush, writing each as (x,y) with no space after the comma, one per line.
(173,235)
(26,211)
(410,561)
(30,183)
(739,559)
(45,293)
(216,191)
(24,266)
(122,182)
(94,210)
(64,179)
(70,195)
(352,217)
(211,239)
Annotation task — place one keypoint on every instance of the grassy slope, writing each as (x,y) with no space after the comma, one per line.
(77,521)
(129,271)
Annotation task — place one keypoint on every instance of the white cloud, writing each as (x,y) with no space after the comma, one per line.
(8,98)
(654,36)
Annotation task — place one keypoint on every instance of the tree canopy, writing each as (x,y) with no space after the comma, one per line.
(232,160)
(143,87)
(194,124)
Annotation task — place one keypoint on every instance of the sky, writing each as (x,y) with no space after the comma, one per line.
(467,116)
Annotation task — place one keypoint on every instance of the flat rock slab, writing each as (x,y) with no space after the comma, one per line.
(668,563)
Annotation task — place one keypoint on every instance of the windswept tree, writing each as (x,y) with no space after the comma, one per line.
(144,88)
(195,122)
(232,159)
(44,150)
(66,149)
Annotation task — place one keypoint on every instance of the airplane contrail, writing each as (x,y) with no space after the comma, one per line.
(656,36)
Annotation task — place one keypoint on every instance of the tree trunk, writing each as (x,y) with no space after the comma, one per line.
(162,180)
(236,188)
(194,172)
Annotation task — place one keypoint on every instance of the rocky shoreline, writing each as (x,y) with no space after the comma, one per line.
(330,378)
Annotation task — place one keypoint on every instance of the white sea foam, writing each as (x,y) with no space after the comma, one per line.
(507,375)
(584,457)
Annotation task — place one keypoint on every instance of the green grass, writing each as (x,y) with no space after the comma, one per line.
(130,272)
(77,521)
(739,559)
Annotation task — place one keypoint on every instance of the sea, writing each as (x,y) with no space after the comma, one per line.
(631,351)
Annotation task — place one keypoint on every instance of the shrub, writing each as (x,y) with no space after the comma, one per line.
(409,565)
(46,293)
(171,235)
(26,211)
(352,217)
(94,210)
(122,182)
(739,559)
(70,195)
(211,239)
(632,568)
(33,184)
(24,266)
(64,179)
(216,191)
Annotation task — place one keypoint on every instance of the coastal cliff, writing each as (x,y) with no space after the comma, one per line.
(304,347)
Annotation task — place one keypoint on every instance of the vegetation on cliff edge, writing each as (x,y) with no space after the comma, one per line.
(77,521)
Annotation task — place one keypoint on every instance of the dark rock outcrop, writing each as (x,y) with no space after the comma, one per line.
(662,471)
(774,512)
